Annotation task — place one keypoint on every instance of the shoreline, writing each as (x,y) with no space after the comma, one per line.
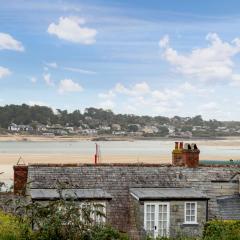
(8,160)
(76,138)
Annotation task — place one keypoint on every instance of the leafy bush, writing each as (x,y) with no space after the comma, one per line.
(64,219)
(11,228)
(222,230)
(104,233)
(177,238)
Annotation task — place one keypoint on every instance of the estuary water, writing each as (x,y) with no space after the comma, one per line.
(147,151)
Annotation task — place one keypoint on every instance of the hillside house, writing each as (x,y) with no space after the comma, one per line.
(143,199)
(19,128)
(13,127)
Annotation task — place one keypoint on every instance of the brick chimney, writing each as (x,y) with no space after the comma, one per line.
(20,179)
(177,159)
(187,156)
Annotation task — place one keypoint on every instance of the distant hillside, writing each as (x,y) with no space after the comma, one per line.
(105,121)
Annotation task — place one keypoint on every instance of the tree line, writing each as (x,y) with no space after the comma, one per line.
(93,117)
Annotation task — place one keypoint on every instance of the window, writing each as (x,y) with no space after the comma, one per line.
(156,218)
(190,212)
(97,211)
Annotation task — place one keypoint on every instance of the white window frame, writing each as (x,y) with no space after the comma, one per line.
(96,219)
(157,203)
(185,213)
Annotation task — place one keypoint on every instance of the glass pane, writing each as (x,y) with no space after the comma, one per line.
(193,212)
(160,208)
(148,225)
(165,208)
(148,208)
(188,218)
(152,208)
(192,205)
(165,224)
(192,218)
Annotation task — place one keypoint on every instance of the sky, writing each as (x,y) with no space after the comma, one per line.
(155,57)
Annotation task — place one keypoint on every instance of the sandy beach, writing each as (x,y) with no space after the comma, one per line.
(226,141)
(36,138)
(121,153)
(8,160)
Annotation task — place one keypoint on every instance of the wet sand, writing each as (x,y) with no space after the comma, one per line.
(7,160)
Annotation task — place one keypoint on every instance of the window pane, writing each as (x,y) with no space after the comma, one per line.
(165,208)
(148,208)
(160,208)
(148,225)
(190,212)
(192,218)
(152,208)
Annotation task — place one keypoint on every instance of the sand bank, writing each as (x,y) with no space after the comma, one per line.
(8,160)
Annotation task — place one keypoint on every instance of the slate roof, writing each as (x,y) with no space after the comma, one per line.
(166,193)
(229,207)
(52,194)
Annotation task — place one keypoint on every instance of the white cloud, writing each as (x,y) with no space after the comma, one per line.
(52,65)
(71,29)
(141,88)
(68,85)
(39,103)
(141,98)
(47,79)
(110,94)
(79,70)
(33,79)
(4,72)
(214,62)
(164,41)
(108,104)
(7,42)
(211,106)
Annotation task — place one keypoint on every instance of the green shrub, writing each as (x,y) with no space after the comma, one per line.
(175,238)
(222,230)
(11,228)
(104,233)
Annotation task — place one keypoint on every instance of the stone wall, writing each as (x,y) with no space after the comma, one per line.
(177,227)
(116,179)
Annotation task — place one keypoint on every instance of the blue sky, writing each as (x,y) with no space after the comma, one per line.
(142,57)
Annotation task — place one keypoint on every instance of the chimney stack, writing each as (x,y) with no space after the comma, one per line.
(187,156)
(20,179)
(177,159)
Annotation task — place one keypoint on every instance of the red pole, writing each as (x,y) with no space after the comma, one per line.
(96,155)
